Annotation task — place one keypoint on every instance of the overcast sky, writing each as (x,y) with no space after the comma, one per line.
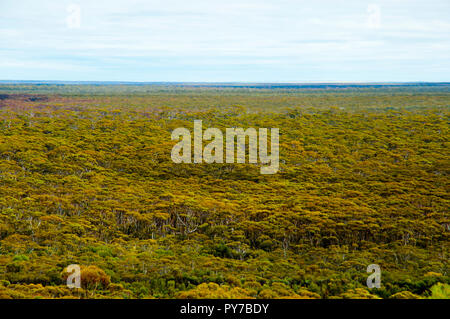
(232,40)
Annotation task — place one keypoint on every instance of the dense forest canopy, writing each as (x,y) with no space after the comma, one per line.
(86,178)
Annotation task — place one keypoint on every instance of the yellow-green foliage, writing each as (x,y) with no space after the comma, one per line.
(86,178)
(214,291)
(440,291)
(404,295)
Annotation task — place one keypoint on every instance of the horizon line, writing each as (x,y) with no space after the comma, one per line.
(221,82)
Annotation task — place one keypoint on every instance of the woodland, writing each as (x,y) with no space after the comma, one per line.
(86,178)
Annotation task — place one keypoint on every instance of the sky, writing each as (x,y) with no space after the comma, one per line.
(225,41)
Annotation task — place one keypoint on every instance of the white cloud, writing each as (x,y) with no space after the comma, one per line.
(302,34)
